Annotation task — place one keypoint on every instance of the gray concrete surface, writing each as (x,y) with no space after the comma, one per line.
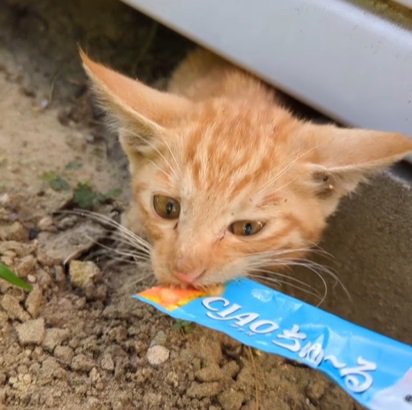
(370,237)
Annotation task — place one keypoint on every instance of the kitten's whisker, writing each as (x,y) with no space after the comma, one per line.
(143,278)
(279,188)
(271,257)
(325,286)
(333,275)
(316,248)
(289,266)
(112,223)
(170,151)
(133,255)
(312,266)
(162,171)
(288,166)
(125,260)
(277,252)
(119,237)
(318,270)
(288,277)
(284,282)
(162,156)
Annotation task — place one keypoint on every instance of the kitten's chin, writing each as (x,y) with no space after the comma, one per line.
(203,284)
(209,289)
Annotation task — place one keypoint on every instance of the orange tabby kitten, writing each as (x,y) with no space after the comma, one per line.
(226,181)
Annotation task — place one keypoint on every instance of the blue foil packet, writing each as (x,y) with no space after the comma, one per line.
(375,370)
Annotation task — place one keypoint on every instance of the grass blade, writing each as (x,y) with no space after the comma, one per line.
(9,276)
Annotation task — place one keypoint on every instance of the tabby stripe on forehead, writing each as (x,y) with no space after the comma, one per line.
(262,169)
(192,144)
(196,173)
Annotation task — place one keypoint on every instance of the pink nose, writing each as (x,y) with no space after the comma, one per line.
(188,278)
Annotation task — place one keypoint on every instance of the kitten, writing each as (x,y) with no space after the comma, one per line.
(226,181)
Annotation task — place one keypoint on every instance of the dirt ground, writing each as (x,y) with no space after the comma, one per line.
(81,342)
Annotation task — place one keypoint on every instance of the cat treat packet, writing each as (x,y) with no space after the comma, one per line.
(375,370)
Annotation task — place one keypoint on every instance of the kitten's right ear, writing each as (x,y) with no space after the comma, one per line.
(142,113)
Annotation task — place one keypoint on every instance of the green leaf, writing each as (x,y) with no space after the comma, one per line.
(9,276)
(55,181)
(85,197)
(73,165)
(184,326)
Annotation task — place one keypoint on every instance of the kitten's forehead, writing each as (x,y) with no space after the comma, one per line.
(231,149)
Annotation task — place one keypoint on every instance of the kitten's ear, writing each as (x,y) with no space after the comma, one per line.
(142,113)
(340,158)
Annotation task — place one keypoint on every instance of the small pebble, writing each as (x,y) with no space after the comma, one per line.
(211,373)
(54,337)
(82,362)
(157,355)
(26,266)
(200,390)
(34,301)
(31,331)
(13,232)
(83,274)
(31,278)
(13,309)
(46,224)
(4,199)
(159,339)
(64,354)
(107,362)
(231,399)
(94,375)
(51,369)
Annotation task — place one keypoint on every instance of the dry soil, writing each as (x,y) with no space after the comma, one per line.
(78,341)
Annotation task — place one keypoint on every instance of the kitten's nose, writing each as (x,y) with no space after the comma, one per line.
(188,278)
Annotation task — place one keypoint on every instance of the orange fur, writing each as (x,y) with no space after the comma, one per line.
(218,142)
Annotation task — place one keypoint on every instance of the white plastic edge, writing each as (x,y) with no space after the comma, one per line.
(406,3)
(345,61)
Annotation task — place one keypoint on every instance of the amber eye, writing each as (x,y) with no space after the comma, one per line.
(166,207)
(246,228)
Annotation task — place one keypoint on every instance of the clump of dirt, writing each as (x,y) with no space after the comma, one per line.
(78,340)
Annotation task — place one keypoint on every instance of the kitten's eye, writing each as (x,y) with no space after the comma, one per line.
(246,228)
(166,207)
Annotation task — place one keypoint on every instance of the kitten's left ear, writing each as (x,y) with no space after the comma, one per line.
(142,113)
(340,158)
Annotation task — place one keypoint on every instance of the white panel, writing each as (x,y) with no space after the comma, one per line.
(343,60)
(406,3)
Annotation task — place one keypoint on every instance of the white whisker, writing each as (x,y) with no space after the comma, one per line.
(135,239)
(288,277)
(287,167)
(133,255)
(159,152)
(120,238)
(284,282)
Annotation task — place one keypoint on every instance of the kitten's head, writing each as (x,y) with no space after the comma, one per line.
(222,188)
